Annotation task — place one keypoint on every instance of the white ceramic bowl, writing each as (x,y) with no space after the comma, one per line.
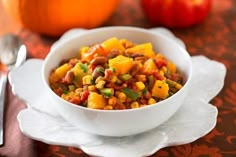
(119,122)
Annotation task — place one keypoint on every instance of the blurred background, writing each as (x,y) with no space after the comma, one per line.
(216,20)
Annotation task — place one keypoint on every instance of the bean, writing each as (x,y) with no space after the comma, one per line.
(137,55)
(73,61)
(127,44)
(114,53)
(140,58)
(100,60)
(134,70)
(69,77)
(98,71)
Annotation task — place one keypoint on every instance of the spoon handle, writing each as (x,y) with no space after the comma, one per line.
(3,83)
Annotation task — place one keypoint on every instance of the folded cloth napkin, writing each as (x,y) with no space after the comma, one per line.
(15,143)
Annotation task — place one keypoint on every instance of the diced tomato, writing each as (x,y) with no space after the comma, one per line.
(160,63)
(75,100)
(157,75)
(108,74)
(84,96)
(143,101)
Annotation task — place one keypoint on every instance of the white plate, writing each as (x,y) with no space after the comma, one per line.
(194,119)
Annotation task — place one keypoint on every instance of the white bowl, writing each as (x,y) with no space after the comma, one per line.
(119,122)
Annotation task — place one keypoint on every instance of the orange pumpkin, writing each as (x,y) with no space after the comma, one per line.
(54,17)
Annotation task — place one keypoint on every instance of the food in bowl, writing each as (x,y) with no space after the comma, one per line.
(117,122)
(116,74)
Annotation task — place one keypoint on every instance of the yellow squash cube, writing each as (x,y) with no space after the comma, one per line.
(121,63)
(160,89)
(171,66)
(96,101)
(145,49)
(149,66)
(112,43)
(59,73)
(80,70)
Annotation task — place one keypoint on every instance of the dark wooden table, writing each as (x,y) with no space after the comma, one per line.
(214,38)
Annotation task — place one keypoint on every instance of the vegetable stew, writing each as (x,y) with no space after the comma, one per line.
(116,74)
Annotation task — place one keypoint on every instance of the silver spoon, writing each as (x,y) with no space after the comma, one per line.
(12,54)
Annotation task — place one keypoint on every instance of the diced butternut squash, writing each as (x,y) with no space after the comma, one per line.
(149,66)
(145,49)
(112,43)
(121,63)
(171,66)
(96,101)
(80,71)
(160,89)
(59,73)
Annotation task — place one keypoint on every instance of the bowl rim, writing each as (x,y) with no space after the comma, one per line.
(91,31)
